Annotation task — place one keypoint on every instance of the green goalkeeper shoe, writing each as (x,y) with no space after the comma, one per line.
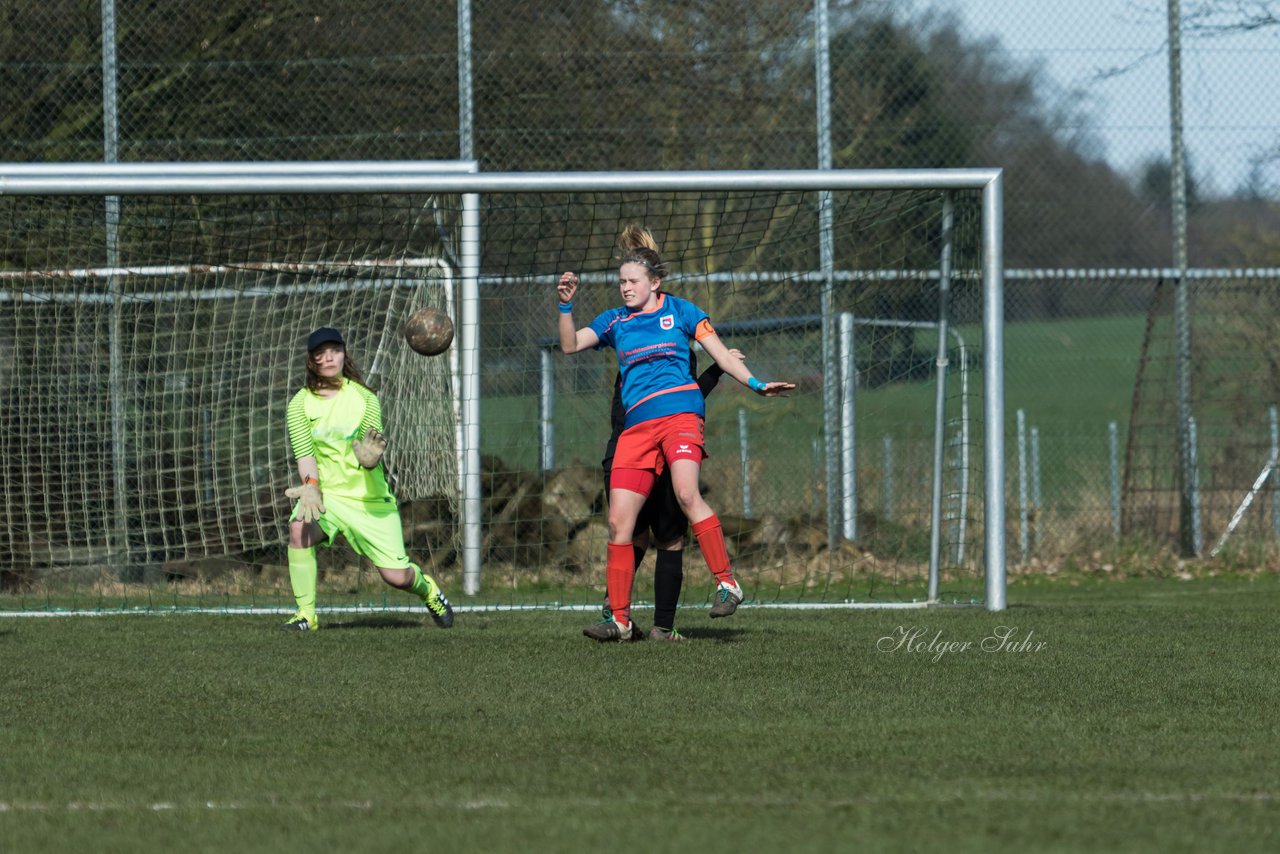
(439,607)
(302,623)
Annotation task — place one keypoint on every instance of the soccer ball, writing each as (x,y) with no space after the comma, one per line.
(428,331)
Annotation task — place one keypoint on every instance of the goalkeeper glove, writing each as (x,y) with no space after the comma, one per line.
(310,502)
(369,449)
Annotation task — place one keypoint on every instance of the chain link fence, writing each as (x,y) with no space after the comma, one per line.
(710,84)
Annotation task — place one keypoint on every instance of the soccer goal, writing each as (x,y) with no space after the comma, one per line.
(153,325)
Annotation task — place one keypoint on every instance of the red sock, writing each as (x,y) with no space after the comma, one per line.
(711,541)
(619,573)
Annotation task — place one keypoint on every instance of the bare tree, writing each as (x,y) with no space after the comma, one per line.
(1224,17)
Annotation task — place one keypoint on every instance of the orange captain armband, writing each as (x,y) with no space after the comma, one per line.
(309,479)
(703,329)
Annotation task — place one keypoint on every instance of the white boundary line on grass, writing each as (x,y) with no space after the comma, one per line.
(594,803)
(248,610)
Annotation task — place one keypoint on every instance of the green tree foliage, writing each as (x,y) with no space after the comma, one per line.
(1155,180)
(1238,232)
(572,85)
(891,103)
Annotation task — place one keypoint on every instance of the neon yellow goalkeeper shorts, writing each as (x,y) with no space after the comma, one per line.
(373,529)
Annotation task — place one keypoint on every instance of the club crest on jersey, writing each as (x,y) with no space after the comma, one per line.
(667,321)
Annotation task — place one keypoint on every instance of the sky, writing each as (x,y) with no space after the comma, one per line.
(1231,100)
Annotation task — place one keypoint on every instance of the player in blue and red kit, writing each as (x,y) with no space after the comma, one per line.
(664,410)
(661,521)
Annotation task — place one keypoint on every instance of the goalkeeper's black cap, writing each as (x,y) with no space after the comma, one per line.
(324,335)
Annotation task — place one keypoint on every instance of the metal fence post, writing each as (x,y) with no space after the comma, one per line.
(745,452)
(848,427)
(1035,491)
(1113,453)
(547,411)
(1275,481)
(1022,484)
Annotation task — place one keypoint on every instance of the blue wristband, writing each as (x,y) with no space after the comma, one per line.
(566,307)
(755,384)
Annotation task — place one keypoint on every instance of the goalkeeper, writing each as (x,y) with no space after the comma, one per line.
(335,431)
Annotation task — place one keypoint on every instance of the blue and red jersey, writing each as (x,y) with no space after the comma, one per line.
(653,356)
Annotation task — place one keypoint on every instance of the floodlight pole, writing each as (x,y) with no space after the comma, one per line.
(119,555)
(466,106)
(826,251)
(1189,522)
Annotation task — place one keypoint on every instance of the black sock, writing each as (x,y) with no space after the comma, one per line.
(668,576)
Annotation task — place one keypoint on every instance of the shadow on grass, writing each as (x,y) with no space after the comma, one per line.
(375,623)
(719,635)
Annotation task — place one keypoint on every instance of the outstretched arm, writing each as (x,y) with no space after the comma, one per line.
(737,368)
(572,339)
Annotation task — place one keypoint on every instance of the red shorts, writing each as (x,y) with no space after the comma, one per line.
(651,445)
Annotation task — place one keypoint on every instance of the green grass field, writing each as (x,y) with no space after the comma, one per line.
(1130,715)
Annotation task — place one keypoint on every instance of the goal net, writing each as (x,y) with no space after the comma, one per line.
(154,338)
(150,362)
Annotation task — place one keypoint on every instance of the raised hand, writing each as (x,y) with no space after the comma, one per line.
(567,287)
(369,448)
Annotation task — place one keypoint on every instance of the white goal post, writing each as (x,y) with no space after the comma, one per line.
(461,180)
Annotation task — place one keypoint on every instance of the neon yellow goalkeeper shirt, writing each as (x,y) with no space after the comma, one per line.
(324,427)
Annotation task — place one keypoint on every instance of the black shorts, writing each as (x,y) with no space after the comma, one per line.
(661,514)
